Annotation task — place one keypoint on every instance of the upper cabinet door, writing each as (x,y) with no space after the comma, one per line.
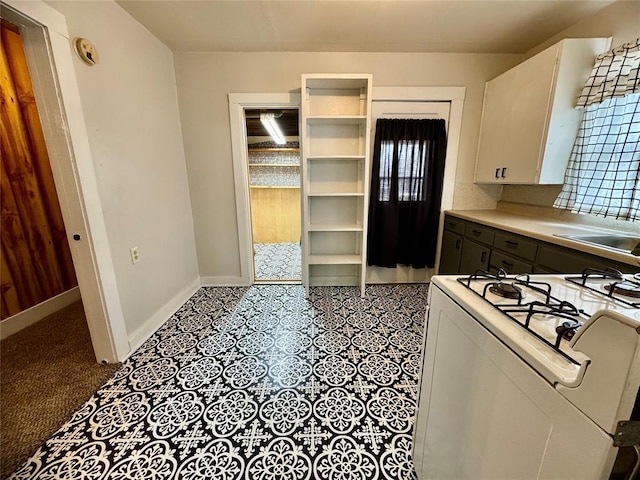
(529,121)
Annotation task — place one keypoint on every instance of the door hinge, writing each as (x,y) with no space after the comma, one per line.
(627,434)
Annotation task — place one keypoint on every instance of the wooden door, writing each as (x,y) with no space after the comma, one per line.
(275,214)
(36,260)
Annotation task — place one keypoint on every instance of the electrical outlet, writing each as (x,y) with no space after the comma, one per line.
(135,255)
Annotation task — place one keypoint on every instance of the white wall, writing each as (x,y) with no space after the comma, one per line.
(131,111)
(205,79)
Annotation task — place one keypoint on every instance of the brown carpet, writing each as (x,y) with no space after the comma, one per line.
(47,371)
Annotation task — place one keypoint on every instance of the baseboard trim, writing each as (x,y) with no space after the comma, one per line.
(400,274)
(152,324)
(34,314)
(224,282)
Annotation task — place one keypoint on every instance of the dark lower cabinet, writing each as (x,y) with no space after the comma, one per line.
(474,257)
(558,260)
(502,261)
(451,252)
(469,246)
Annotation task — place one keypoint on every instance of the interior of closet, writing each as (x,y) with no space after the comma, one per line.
(274,194)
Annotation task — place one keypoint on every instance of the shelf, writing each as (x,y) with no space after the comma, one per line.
(334,259)
(334,227)
(336,82)
(331,176)
(334,210)
(337,120)
(335,139)
(335,274)
(274,165)
(262,150)
(274,186)
(345,245)
(335,194)
(313,158)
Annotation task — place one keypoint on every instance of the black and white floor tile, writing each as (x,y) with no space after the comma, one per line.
(278,261)
(258,383)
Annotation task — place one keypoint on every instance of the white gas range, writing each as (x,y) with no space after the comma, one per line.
(529,377)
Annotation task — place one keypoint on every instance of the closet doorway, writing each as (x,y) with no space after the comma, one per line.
(273,163)
(37,270)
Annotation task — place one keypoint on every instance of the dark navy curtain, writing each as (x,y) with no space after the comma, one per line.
(406,190)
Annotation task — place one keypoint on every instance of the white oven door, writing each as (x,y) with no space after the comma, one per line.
(485,414)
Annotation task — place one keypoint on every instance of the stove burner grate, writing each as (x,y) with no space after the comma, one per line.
(620,289)
(624,288)
(506,290)
(501,282)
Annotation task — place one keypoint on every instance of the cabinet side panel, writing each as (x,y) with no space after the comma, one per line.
(575,65)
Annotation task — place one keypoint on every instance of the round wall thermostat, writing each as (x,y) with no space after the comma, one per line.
(86,50)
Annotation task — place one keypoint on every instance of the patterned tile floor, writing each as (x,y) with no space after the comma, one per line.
(256,383)
(277,261)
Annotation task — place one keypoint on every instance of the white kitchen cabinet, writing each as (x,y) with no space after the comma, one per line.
(336,125)
(529,121)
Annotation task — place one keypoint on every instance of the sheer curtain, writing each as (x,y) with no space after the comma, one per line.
(406,190)
(603,174)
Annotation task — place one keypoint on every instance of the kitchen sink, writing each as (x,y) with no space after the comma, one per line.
(624,243)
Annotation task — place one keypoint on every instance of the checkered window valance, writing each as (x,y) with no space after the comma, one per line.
(615,74)
(603,175)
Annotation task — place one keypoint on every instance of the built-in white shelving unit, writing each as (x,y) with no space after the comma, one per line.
(336,124)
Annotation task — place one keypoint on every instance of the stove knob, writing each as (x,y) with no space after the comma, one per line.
(567,330)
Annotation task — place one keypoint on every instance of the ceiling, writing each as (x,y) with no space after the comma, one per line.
(287,121)
(471,26)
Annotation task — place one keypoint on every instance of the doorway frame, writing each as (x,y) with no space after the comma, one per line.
(238,103)
(47,47)
(455,96)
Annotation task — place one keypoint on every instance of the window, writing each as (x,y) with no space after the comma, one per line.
(603,174)
(410,160)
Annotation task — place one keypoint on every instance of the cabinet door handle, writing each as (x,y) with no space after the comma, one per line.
(483,257)
(511,243)
(458,244)
(507,264)
(504,169)
(497,172)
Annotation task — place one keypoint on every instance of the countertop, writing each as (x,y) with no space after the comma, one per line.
(546,229)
